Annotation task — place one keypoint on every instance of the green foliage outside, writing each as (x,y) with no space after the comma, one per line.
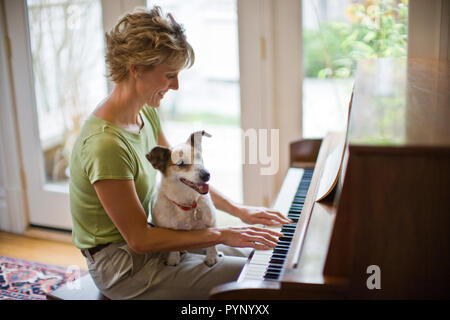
(377,28)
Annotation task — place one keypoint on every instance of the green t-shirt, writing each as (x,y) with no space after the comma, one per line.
(105,151)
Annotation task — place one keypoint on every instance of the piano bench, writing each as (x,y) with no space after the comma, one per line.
(86,291)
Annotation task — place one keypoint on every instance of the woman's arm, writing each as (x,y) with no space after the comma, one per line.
(120,201)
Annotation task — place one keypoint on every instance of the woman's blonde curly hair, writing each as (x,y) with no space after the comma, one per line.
(145,38)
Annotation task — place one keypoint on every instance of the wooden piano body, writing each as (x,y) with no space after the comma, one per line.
(391,204)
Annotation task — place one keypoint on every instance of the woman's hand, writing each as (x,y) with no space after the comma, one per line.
(253,237)
(260,215)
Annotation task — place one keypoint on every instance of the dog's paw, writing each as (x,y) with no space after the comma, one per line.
(210,261)
(173,259)
(211,256)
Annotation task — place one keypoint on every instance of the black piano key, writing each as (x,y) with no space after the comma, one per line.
(283,251)
(271,276)
(273,273)
(276,267)
(276,261)
(271,270)
(286,236)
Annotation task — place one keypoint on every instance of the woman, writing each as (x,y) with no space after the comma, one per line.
(112,181)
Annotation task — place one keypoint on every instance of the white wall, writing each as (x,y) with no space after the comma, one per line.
(13,214)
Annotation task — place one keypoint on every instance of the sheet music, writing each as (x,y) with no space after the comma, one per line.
(333,164)
(332,168)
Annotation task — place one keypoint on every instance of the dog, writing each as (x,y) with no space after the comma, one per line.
(183,201)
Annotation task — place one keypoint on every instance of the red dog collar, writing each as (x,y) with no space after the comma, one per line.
(193,205)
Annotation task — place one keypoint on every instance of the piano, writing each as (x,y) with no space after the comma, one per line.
(371,205)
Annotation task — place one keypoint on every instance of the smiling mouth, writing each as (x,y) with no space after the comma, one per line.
(201,188)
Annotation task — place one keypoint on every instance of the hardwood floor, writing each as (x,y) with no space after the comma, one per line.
(40,250)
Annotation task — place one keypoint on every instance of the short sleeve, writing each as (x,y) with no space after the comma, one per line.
(104,156)
(153,117)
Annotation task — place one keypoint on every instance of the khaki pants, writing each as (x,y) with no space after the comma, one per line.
(120,273)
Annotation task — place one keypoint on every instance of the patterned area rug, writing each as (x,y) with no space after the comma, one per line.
(26,280)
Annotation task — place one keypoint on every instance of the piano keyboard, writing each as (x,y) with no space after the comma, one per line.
(268,264)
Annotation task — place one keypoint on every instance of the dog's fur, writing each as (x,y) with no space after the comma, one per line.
(184,162)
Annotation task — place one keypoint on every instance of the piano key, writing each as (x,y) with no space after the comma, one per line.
(272,274)
(276,261)
(283,251)
(274,269)
(256,269)
(282,242)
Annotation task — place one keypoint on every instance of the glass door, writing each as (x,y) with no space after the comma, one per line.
(63,75)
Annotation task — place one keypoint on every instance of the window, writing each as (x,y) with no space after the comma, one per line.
(68,66)
(335,35)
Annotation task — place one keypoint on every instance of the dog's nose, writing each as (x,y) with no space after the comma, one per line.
(204,175)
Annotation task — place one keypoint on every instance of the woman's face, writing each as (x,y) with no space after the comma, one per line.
(152,85)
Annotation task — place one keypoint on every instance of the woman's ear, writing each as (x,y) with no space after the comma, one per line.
(135,72)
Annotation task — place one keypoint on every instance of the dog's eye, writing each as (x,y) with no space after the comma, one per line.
(180,163)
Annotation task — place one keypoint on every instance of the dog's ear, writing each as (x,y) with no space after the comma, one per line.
(195,139)
(159,157)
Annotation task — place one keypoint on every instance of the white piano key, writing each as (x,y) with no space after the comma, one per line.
(261,260)
(256,273)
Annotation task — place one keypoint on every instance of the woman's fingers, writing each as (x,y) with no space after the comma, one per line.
(260,236)
(270,218)
(276,216)
(258,246)
(254,237)
(266,230)
(262,240)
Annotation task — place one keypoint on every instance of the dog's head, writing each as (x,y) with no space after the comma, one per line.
(183,163)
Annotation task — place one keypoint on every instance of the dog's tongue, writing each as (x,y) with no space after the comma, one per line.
(204,188)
